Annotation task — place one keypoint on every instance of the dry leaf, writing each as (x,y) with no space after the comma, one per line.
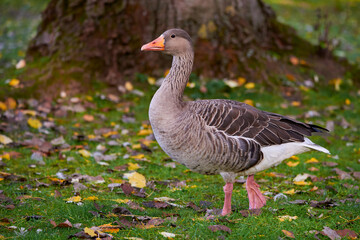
(249,102)
(215,228)
(10,103)
(129,86)
(287,217)
(3,106)
(312,160)
(241,81)
(288,233)
(84,153)
(332,234)
(168,235)
(20,64)
(90,232)
(231,83)
(136,179)
(91,198)
(294,60)
(295,103)
(151,80)
(14,82)
(249,85)
(34,123)
(292,164)
(74,199)
(302,183)
(133,166)
(5,140)
(88,118)
(144,132)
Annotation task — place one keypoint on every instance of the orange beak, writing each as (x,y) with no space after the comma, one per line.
(155,45)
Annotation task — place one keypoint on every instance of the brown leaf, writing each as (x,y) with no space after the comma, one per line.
(342,174)
(193,206)
(347,233)
(330,233)
(215,228)
(356,175)
(327,203)
(251,212)
(66,224)
(57,194)
(135,206)
(53,223)
(121,210)
(127,189)
(329,164)
(156,204)
(298,202)
(88,118)
(288,233)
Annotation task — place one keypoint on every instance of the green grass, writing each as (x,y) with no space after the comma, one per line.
(199,187)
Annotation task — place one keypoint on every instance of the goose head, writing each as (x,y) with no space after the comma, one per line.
(175,42)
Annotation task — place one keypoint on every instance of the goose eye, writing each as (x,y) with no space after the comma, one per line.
(173,36)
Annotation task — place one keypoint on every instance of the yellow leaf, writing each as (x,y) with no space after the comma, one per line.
(295,103)
(5,140)
(190,85)
(288,233)
(151,80)
(136,179)
(290,77)
(129,86)
(211,26)
(110,133)
(10,103)
(166,72)
(146,142)
(74,199)
(241,81)
(3,106)
(302,183)
(287,217)
(136,146)
(90,232)
(312,160)
(139,156)
(202,33)
(89,98)
(109,228)
(5,155)
(347,101)
(91,198)
(290,192)
(292,164)
(144,132)
(84,153)
(34,123)
(91,136)
(250,85)
(121,200)
(314,188)
(336,82)
(294,157)
(133,166)
(249,102)
(29,112)
(14,82)
(313,169)
(231,83)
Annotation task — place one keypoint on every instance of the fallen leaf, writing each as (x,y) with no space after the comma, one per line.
(128,86)
(302,183)
(34,123)
(347,233)
(143,132)
(91,198)
(88,118)
(347,101)
(301,177)
(250,212)
(329,164)
(20,64)
(136,179)
(287,217)
(168,235)
(327,203)
(156,204)
(342,174)
(215,228)
(249,102)
(66,224)
(295,103)
(313,169)
(312,160)
(332,234)
(290,192)
(133,166)
(3,106)
(292,164)
(5,140)
(14,82)
(10,103)
(294,60)
(241,81)
(84,153)
(231,83)
(288,233)
(74,199)
(90,232)
(109,228)
(249,85)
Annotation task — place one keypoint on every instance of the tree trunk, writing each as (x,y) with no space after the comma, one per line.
(81,41)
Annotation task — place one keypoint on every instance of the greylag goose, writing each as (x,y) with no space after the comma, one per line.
(220,136)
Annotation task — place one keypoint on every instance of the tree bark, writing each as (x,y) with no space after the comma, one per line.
(82,41)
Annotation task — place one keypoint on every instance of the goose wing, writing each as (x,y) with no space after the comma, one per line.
(241,120)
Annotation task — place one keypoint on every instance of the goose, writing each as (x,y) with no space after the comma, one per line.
(220,136)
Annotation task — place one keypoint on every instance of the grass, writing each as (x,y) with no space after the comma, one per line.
(341,107)
(198,187)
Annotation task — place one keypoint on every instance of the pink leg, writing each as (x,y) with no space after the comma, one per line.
(256,199)
(227,202)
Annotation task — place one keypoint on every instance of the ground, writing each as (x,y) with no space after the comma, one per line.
(107,142)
